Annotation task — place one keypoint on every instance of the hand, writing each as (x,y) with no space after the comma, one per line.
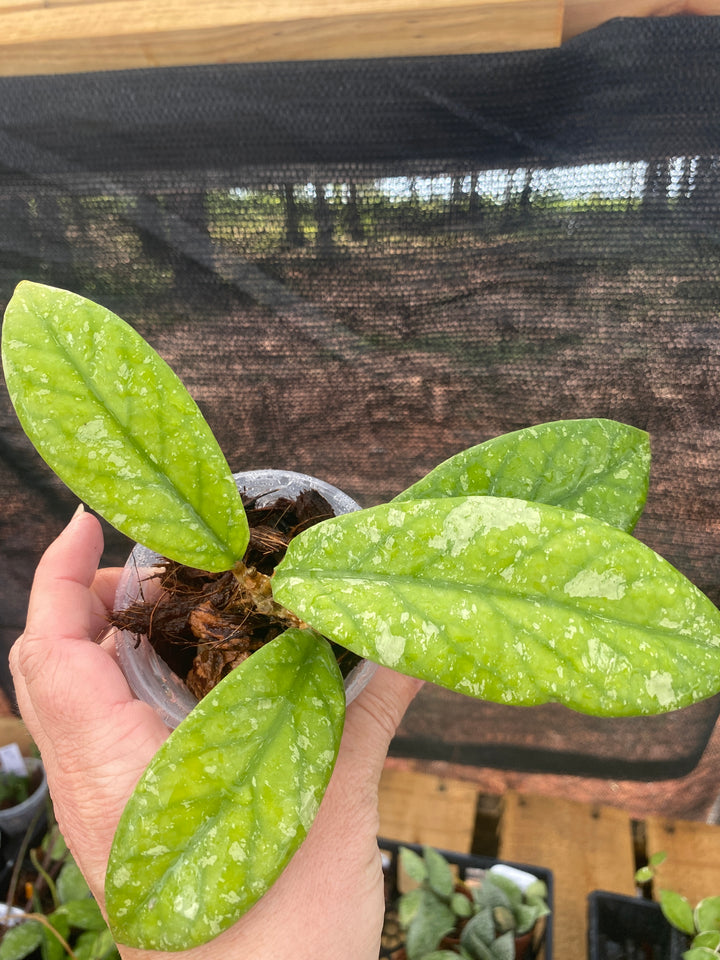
(96,740)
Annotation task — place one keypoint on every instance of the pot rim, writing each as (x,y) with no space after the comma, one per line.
(149,677)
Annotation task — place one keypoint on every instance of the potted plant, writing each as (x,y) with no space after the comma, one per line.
(508,573)
(488,914)
(48,910)
(22,796)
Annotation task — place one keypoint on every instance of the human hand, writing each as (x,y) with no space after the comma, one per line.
(96,740)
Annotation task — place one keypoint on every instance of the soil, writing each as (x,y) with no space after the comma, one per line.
(205,624)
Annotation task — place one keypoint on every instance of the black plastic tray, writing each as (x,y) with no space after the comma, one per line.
(630,928)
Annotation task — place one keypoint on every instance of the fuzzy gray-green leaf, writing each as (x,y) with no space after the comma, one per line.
(119,428)
(440,876)
(510,601)
(598,467)
(228,798)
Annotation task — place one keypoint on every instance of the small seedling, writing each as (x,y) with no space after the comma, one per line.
(700,923)
(508,573)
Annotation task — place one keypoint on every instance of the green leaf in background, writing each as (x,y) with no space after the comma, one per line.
(409,904)
(71,884)
(53,947)
(677,911)
(413,864)
(440,876)
(700,953)
(504,947)
(119,428)
(708,938)
(21,940)
(96,946)
(432,922)
(228,798)
(480,929)
(509,601)
(707,914)
(598,467)
(460,905)
(82,914)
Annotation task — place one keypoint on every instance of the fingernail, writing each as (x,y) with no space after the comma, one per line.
(79,511)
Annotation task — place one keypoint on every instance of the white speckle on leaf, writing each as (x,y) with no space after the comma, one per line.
(659,685)
(237,852)
(396,518)
(186,906)
(92,431)
(121,876)
(390,646)
(601,655)
(591,583)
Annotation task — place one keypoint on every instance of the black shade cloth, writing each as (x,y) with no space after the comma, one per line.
(359,268)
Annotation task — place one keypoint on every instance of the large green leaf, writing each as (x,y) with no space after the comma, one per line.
(119,428)
(507,600)
(598,467)
(228,798)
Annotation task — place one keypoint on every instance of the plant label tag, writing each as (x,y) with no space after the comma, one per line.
(11,760)
(521,878)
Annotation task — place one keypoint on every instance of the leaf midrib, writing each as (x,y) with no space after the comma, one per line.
(143,453)
(315,574)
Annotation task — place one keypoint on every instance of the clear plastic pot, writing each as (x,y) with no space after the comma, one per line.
(150,678)
(15,820)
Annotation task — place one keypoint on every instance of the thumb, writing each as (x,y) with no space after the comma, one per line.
(372,719)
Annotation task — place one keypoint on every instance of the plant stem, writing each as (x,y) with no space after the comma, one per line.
(46,877)
(43,921)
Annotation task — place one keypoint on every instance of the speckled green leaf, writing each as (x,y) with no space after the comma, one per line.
(228,798)
(510,601)
(598,467)
(119,428)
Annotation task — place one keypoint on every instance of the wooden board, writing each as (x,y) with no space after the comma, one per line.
(13,730)
(60,36)
(692,867)
(586,847)
(421,808)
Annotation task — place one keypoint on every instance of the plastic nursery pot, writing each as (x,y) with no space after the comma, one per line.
(150,678)
(15,820)
(620,926)
(531,946)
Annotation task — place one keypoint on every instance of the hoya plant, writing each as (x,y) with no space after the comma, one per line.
(508,573)
(445,918)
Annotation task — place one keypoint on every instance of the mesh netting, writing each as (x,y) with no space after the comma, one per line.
(360,268)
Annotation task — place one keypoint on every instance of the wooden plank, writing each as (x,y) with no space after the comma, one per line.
(692,866)
(586,847)
(141,33)
(422,808)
